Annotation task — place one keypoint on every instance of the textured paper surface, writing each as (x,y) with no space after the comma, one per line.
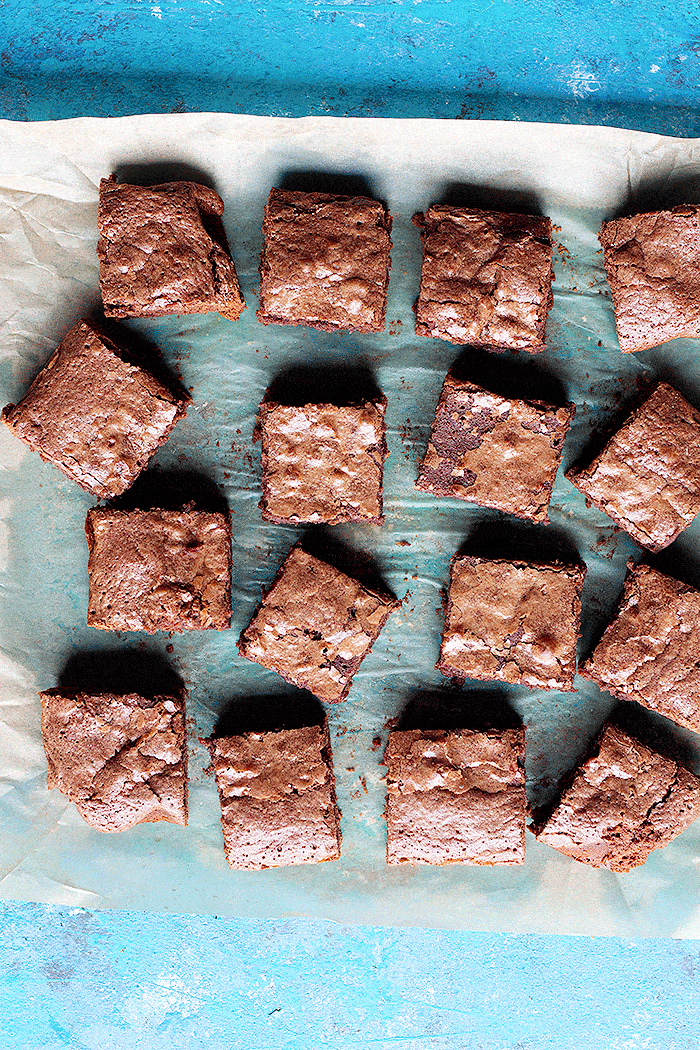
(49,174)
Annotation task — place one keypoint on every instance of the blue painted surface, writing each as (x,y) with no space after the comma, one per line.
(92,980)
(576,61)
(77,979)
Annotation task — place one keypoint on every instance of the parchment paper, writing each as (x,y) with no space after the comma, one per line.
(49,174)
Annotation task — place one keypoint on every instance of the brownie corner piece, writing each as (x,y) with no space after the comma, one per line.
(651,262)
(625,800)
(512,621)
(121,758)
(456,796)
(486,278)
(315,626)
(163,250)
(647,477)
(277,795)
(494,451)
(323,462)
(649,651)
(94,414)
(158,570)
(325,261)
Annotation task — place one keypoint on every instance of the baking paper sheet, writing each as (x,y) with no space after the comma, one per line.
(49,176)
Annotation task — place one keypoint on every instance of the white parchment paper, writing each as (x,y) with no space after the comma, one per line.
(49,177)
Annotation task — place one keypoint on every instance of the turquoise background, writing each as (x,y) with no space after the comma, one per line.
(78,979)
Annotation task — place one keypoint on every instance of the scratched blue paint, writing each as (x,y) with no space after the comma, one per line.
(580,61)
(78,980)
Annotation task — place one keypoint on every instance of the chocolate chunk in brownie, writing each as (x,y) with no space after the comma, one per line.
(494,451)
(651,651)
(94,414)
(158,570)
(277,793)
(647,478)
(315,626)
(512,621)
(456,796)
(486,278)
(653,266)
(163,250)
(322,462)
(325,261)
(625,801)
(121,758)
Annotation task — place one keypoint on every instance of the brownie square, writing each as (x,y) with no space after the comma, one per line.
(315,626)
(494,451)
(512,622)
(163,250)
(456,796)
(647,478)
(277,794)
(322,462)
(650,651)
(325,261)
(652,263)
(624,802)
(94,414)
(486,278)
(122,759)
(158,570)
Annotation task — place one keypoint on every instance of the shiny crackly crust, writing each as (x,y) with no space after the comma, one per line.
(322,462)
(95,415)
(121,758)
(649,652)
(494,451)
(158,570)
(315,626)
(325,261)
(647,478)
(512,622)
(156,253)
(486,278)
(277,795)
(456,796)
(652,261)
(625,800)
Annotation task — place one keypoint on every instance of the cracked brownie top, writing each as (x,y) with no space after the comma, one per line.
(122,759)
(315,626)
(494,451)
(625,801)
(652,262)
(512,621)
(651,651)
(163,250)
(486,277)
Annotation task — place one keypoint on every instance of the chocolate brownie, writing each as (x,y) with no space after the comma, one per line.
(94,414)
(486,278)
(647,478)
(653,266)
(494,451)
(624,802)
(649,653)
(315,626)
(455,796)
(322,462)
(163,250)
(325,261)
(121,758)
(158,570)
(277,793)
(512,621)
